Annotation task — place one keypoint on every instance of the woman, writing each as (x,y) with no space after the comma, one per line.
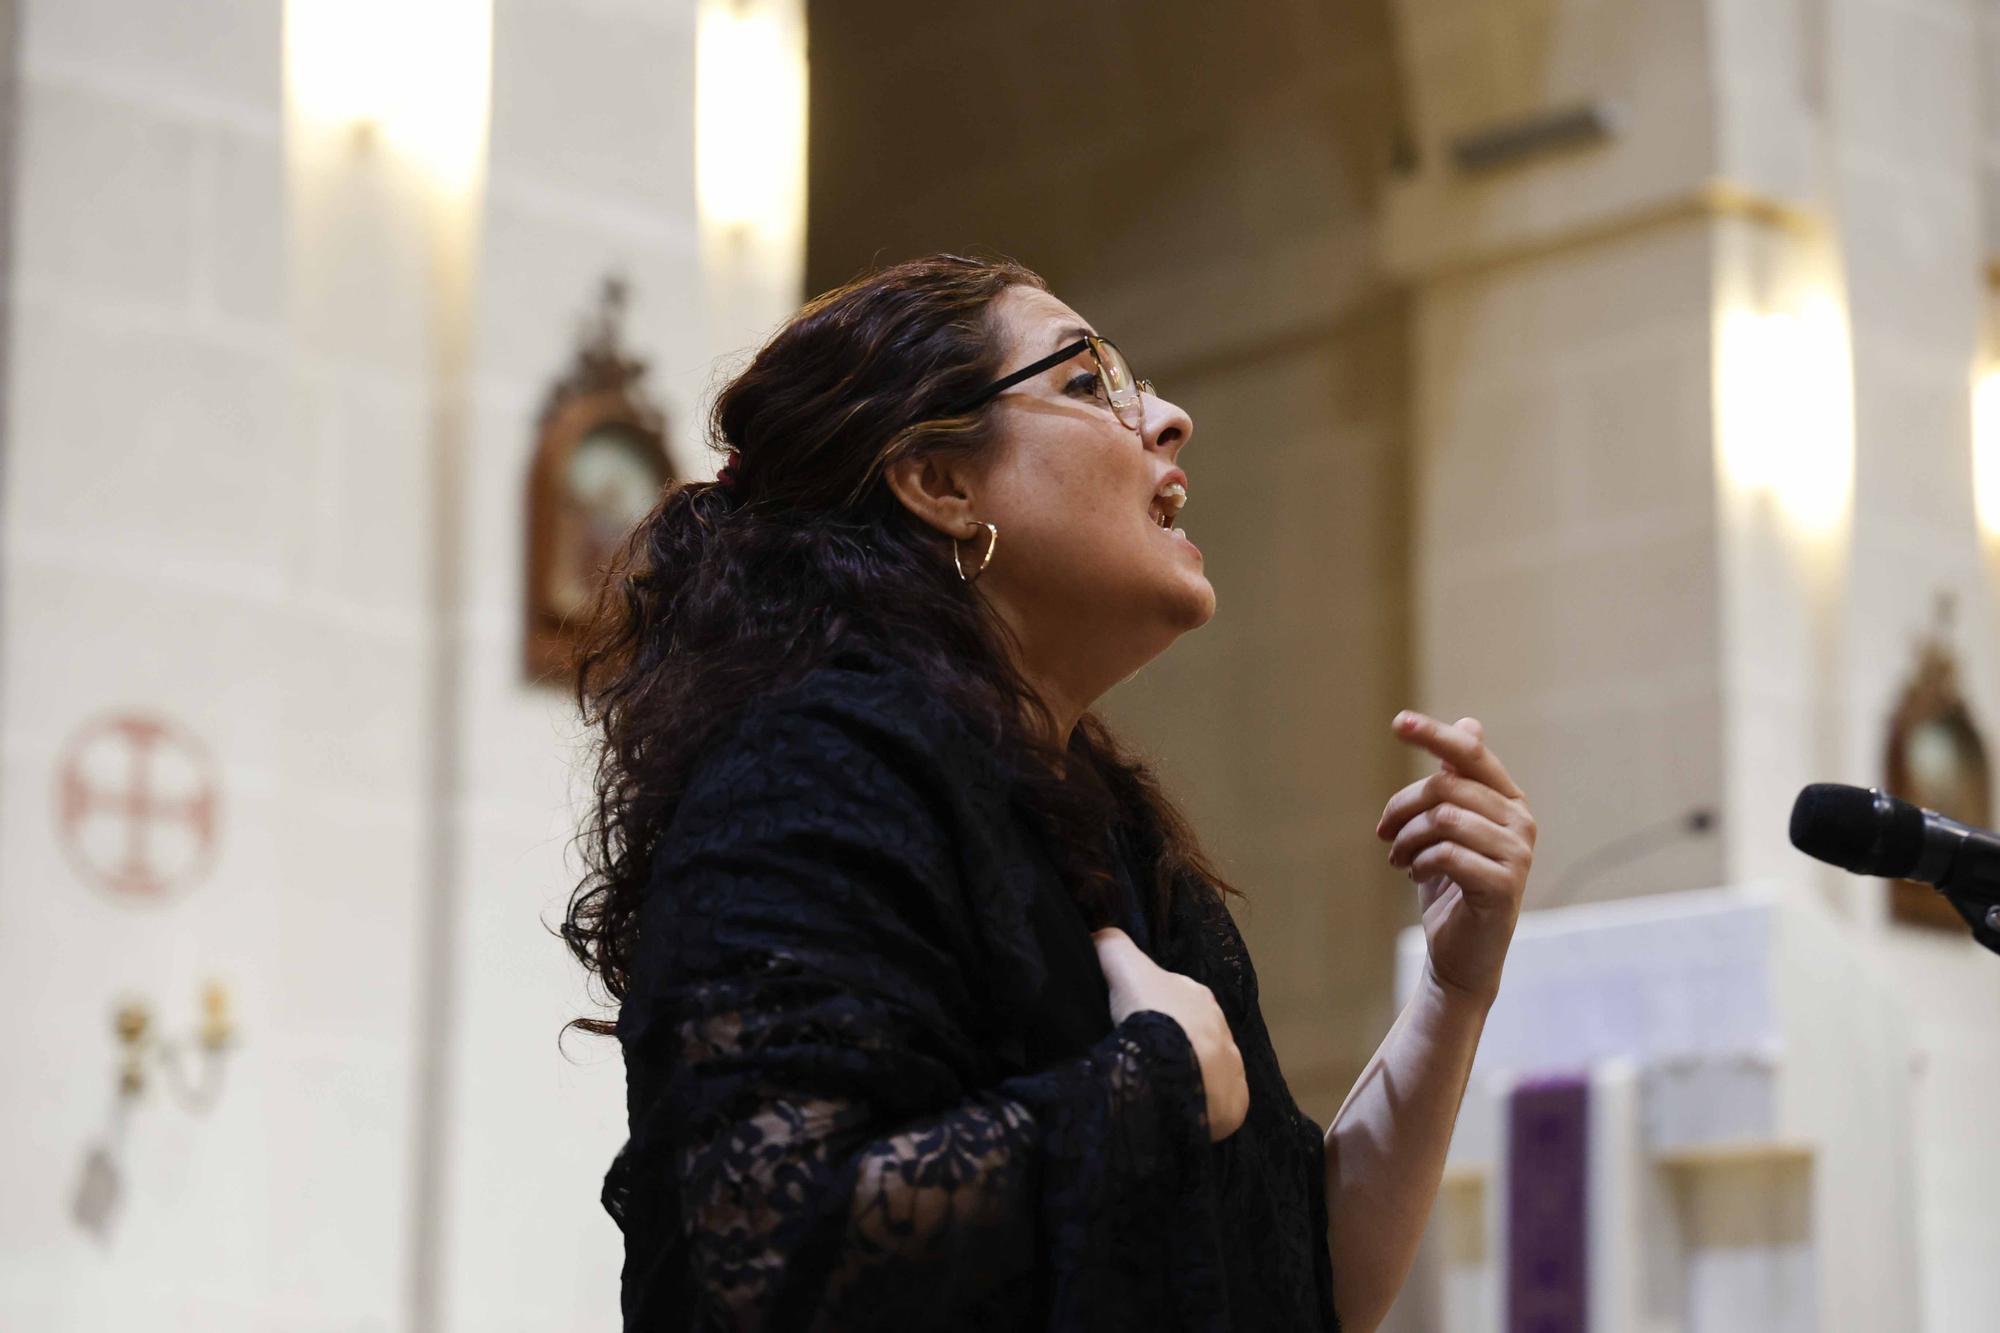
(931,1010)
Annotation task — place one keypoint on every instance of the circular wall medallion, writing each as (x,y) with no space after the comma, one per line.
(137,801)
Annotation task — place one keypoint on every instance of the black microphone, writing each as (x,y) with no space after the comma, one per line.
(1872,833)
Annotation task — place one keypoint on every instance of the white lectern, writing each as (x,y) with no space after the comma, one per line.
(1690,1112)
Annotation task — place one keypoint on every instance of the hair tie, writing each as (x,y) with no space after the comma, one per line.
(727,478)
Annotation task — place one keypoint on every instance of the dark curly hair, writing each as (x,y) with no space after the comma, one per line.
(723,592)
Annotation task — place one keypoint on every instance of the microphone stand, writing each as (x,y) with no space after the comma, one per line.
(1981,913)
(1981,910)
(1969,879)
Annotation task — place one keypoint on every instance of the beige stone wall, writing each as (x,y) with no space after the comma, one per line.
(590,174)
(224,421)
(1565,572)
(1673,632)
(1906,85)
(192,532)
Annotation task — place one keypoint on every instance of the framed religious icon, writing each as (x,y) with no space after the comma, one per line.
(1936,758)
(600,463)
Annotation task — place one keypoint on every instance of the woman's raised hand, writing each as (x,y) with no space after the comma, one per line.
(1467,838)
(1138,983)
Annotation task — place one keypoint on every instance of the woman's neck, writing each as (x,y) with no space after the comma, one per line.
(1055,672)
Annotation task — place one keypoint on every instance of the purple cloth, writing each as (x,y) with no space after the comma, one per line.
(1548,1146)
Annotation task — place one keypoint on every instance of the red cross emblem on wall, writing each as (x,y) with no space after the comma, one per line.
(136,805)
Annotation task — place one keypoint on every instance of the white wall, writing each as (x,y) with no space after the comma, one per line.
(590,173)
(1661,637)
(219,489)
(194,531)
(1905,85)
(1564,546)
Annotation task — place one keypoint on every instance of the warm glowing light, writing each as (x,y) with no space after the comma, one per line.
(1986,453)
(418,73)
(750,114)
(1784,395)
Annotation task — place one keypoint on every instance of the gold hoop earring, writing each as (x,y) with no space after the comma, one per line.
(992,541)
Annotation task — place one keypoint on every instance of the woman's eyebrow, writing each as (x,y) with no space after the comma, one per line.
(1070,335)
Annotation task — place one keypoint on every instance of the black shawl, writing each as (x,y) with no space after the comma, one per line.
(871,1075)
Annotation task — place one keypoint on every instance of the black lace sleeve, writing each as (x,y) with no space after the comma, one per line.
(812,1146)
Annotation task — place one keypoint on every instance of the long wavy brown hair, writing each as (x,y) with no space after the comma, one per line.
(724,592)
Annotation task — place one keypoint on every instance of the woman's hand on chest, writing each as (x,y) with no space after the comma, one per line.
(1137,983)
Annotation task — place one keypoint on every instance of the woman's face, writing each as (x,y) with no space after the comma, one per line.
(1084,571)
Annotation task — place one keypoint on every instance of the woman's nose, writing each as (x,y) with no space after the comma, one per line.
(1167,426)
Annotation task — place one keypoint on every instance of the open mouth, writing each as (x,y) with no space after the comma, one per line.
(1167,506)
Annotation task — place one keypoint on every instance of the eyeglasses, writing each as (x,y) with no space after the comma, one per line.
(1124,395)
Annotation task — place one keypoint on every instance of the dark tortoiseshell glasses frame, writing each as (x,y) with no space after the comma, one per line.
(1124,395)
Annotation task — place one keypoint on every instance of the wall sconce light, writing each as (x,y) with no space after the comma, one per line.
(100,1188)
(750,114)
(214,1036)
(416,74)
(1784,401)
(1986,453)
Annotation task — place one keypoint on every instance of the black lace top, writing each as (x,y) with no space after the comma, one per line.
(871,1074)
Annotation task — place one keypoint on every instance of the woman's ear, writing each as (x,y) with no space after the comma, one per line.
(937,489)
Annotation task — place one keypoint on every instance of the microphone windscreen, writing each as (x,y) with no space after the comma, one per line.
(1846,827)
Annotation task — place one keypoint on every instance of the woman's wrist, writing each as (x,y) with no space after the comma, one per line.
(1172,1070)
(1454,999)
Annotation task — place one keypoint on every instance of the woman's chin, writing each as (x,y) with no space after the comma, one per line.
(1207,606)
(1192,592)
(1194,602)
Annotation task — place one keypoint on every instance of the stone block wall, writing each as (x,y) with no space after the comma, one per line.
(222,507)
(1677,639)
(1565,544)
(200,525)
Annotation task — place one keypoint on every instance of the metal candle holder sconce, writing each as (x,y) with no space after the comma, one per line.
(216,1034)
(101,1187)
